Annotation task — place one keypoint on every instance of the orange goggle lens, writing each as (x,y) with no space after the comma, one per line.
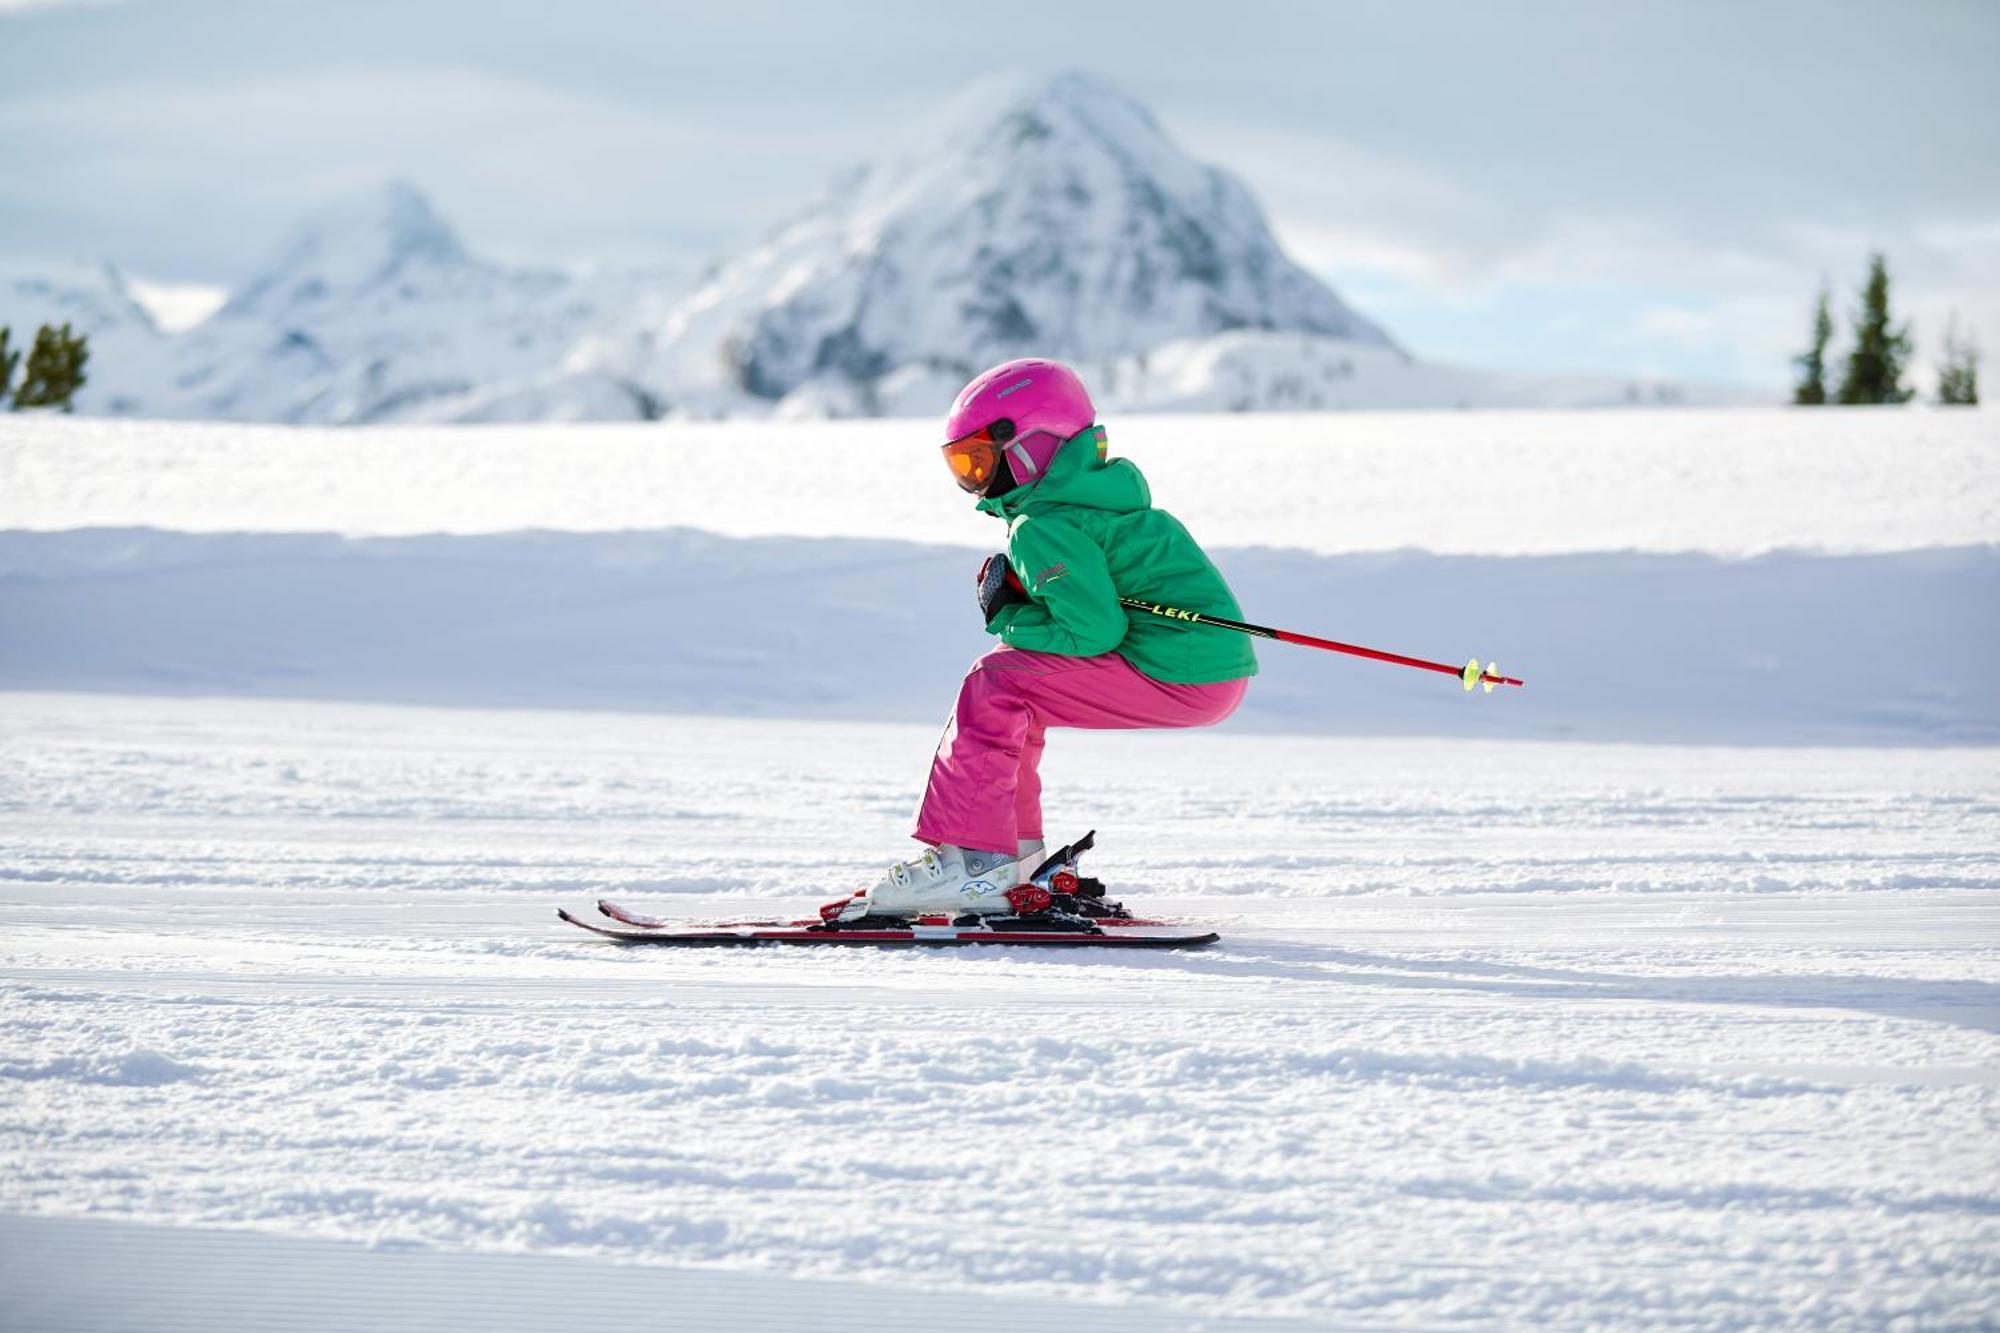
(975,459)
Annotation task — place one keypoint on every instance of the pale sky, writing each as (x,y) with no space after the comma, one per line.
(1624,187)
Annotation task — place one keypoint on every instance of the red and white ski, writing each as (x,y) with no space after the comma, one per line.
(1084,920)
(1100,933)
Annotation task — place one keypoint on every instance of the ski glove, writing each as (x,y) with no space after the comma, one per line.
(1073,606)
(997,585)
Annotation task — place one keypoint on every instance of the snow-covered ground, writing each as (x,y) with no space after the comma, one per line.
(1732,482)
(1737,577)
(1526,1023)
(86,1275)
(1499,1033)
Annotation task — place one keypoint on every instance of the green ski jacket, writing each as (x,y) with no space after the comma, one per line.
(1086,535)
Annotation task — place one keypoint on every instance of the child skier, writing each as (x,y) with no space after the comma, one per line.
(1081,533)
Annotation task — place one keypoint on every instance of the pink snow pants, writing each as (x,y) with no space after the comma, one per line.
(985,790)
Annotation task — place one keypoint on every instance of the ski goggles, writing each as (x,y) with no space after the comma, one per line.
(975,459)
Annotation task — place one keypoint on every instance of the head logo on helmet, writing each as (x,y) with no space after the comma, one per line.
(1006,425)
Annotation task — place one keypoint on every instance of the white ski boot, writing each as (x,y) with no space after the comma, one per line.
(950,880)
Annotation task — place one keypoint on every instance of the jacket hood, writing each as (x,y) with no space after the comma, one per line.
(1079,474)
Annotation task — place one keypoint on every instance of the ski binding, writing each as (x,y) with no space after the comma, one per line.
(1079,916)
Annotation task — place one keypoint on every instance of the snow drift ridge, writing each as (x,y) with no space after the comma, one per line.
(1684,649)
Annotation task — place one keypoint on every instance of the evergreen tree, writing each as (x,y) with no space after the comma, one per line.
(55,369)
(1875,366)
(1958,373)
(8,360)
(1810,391)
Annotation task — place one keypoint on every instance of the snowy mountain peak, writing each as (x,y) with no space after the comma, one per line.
(1007,114)
(354,243)
(1040,214)
(94,299)
(371,310)
(1033,214)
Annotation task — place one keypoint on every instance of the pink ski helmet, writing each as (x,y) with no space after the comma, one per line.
(1009,422)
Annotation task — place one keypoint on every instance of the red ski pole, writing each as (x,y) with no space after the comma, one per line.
(1469,674)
